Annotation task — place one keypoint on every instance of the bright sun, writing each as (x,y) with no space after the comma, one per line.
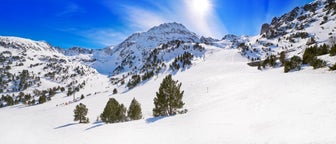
(201,6)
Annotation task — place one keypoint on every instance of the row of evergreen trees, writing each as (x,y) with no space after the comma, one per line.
(113,112)
(293,64)
(30,99)
(309,57)
(182,61)
(168,101)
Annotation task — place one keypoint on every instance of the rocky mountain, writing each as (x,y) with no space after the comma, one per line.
(75,51)
(293,32)
(25,44)
(32,72)
(150,52)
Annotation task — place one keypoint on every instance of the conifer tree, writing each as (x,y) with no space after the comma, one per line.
(169,98)
(113,112)
(283,57)
(80,112)
(42,99)
(121,113)
(115,91)
(134,110)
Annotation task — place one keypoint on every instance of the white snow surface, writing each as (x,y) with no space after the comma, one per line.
(228,102)
(23,43)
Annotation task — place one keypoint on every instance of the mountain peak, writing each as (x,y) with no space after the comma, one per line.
(23,43)
(169,27)
(157,35)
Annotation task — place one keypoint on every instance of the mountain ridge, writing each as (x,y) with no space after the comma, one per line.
(171,47)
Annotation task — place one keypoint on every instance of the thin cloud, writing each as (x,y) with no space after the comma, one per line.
(99,36)
(142,19)
(203,21)
(104,37)
(70,9)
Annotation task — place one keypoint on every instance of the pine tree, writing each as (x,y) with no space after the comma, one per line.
(134,110)
(121,113)
(62,89)
(283,57)
(42,99)
(113,112)
(169,98)
(294,63)
(80,112)
(333,67)
(115,91)
(333,50)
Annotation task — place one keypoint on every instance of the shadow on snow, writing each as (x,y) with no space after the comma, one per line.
(66,125)
(154,119)
(95,125)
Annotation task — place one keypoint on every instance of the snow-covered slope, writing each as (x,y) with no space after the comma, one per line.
(25,44)
(228,102)
(293,32)
(30,70)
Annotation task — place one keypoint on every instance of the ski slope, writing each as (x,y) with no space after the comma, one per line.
(228,102)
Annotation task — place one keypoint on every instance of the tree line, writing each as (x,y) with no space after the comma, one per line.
(168,101)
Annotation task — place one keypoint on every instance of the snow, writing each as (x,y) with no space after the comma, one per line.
(228,102)
(139,44)
(24,43)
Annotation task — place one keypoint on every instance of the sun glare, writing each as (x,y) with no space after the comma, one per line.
(201,6)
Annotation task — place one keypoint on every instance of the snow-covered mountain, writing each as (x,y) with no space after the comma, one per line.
(149,53)
(171,47)
(227,100)
(161,47)
(293,32)
(30,70)
(75,51)
(25,44)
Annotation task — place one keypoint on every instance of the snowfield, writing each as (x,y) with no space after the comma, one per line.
(228,102)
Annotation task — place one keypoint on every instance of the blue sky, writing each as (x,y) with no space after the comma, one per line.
(100,23)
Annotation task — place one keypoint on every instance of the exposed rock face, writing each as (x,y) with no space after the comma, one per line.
(264,28)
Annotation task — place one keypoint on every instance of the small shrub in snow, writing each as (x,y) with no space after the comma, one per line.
(332,51)
(115,91)
(135,80)
(333,67)
(269,61)
(42,99)
(318,63)
(294,63)
(282,57)
(8,99)
(311,41)
(147,75)
(62,89)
